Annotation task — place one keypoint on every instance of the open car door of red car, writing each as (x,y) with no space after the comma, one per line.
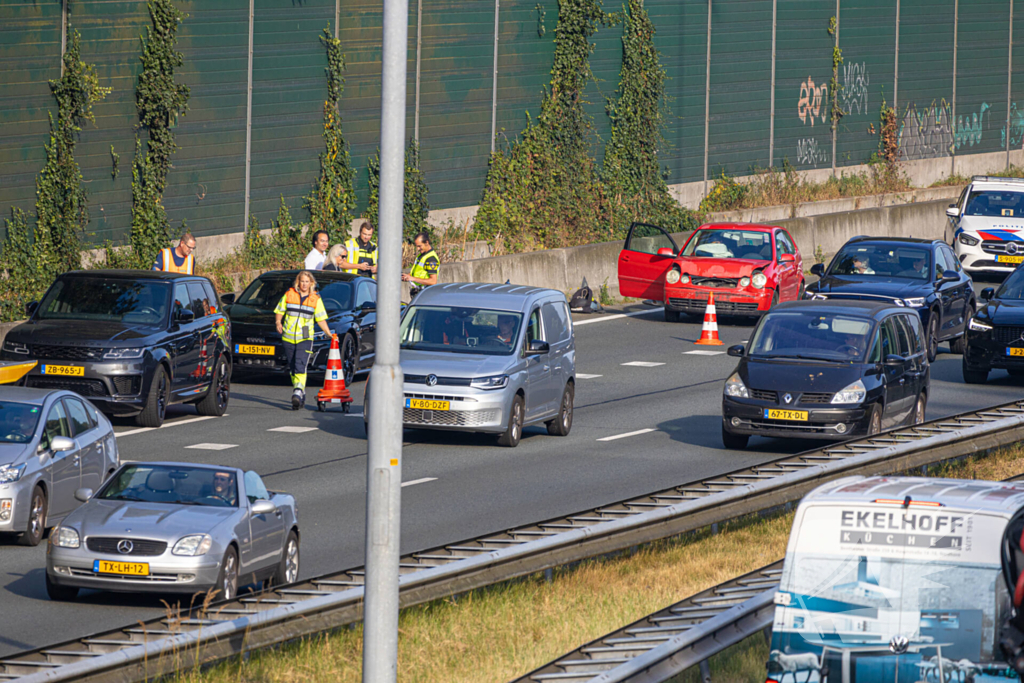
(645,258)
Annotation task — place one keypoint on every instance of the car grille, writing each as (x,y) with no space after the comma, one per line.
(127,385)
(151,578)
(1000,247)
(717,282)
(762,395)
(83,387)
(790,426)
(437,397)
(55,352)
(450,418)
(810,397)
(1007,334)
(140,546)
(441,381)
(992,264)
(721,307)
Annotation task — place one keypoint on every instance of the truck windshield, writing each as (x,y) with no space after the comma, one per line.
(139,302)
(460,329)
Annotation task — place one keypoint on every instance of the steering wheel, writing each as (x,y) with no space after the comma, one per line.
(148,310)
(849,350)
(214,496)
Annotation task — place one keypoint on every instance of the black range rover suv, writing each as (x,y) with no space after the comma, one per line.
(131,341)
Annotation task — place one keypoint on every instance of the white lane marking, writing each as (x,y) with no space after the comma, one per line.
(617,316)
(580,375)
(424,480)
(352,414)
(290,429)
(643,364)
(703,352)
(213,446)
(169,424)
(623,436)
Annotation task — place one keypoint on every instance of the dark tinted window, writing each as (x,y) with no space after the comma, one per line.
(951,260)
(1013,286)
(211,294)
(890,343)
(995,204)
(107,299)
(885,260)
(912,324)
(79,417)
(555,322)
(17,422)
(56,424)
(200,300)
(533,327)
(182,300)
(904,342)
(366,294)
(264,293)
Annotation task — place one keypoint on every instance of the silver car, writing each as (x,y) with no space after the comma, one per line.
(175,527)
(488,358)
(52,443)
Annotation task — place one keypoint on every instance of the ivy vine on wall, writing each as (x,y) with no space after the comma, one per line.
(415,210)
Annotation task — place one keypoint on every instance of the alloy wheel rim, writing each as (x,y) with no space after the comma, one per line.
(516,418)
(161,398)
(223,388)
(920,411)
(933,338)
(348,361)
(291,573)
(566,411)
(876,423)
(36,519)
(230,579)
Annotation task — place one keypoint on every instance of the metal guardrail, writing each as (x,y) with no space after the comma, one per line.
(164,645)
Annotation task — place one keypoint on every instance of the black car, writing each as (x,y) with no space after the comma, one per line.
(827,370)
(920,274)
(351,304)
(995,336)
(131,341)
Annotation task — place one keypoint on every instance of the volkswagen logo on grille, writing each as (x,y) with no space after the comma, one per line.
(898,645)
(124,546)
(788,398)
(431,380)
(1011,248)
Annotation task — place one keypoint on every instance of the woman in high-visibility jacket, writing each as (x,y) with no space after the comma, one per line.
(298,309)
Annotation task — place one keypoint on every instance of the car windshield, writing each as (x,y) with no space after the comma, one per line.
(812,335)
(264,293)
(173,484)
(746,244)
(999,203)
(107,299)
(17,422)
(1012,287)
(460,329)
(882,260)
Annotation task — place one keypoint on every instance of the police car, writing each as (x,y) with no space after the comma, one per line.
(986,224)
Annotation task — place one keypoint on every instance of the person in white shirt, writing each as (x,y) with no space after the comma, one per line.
(315,258)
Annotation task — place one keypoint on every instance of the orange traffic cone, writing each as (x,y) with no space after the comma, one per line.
(334,390)
(709,333)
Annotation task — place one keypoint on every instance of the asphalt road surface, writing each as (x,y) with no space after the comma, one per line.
(648,406)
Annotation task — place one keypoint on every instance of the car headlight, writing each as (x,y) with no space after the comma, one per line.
(123,354)
(759,280)
(15,347)
(672,277)
(9,473)
(914,302)
(65,537)
(974,324)
(495,382)
(744,281)
(969,240)
(734,386)
(684,279)
(854,393)
(192,546)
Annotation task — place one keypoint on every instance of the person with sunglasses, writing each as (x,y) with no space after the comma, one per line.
(180,259)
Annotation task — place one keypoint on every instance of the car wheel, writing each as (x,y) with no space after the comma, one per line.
(60,593)
(36,519)
(514,431)
(671,316)
(959,345)
(288,568)
(563,423)
(156,400)
(919,409)
(227,582)
(974,375)
(734,442)
(800,292)
(933,336)
(875,420)
(348,359)
(216,401)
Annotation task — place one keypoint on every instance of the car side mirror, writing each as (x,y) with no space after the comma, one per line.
(786,258)
(83,495)
(818,269)
(30,308)
(368,307)
(952,211)
(228,298)
(537,348)
(185,316)
(894,358)
(263,507)
(666,251)
(59,444)
(737,350)
(950,276)
(987,294)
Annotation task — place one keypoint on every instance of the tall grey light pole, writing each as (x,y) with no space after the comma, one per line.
(384,464)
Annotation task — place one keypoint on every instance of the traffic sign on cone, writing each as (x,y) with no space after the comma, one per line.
(334,390)
(709,332)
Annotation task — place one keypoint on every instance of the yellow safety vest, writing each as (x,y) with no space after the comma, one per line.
(421,269)
(300,315)
(167,261)
(356,252)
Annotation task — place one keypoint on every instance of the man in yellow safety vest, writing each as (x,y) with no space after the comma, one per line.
(298,309)
(362,252)
(424,269)
(179,259)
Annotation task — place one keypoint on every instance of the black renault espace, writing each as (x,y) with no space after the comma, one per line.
(995,336)
(827,370)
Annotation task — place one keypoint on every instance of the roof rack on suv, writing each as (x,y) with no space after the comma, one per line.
(997,179)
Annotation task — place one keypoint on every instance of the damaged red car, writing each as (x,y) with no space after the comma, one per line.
(748,267)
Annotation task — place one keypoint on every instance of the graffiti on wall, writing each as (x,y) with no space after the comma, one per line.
(1016,128)
(931,131)
(812,102)
(808,152)
(968,128)
(853,96)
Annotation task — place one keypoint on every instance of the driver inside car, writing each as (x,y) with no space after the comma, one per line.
(223,487)
(18,427)
(506,329)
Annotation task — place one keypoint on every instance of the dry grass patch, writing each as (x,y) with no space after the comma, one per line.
(498,633)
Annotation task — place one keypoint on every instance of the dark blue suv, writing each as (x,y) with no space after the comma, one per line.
(920,274)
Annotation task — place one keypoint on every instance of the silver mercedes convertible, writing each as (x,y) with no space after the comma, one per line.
(175,528)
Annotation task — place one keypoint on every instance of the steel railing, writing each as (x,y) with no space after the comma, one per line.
(167,644)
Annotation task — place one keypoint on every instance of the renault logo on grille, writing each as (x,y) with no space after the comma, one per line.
(124,546)
(788,398)
(431,380)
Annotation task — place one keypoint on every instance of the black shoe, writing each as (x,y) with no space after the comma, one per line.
(297,401)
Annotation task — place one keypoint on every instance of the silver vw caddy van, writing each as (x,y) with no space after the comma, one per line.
(488,358)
